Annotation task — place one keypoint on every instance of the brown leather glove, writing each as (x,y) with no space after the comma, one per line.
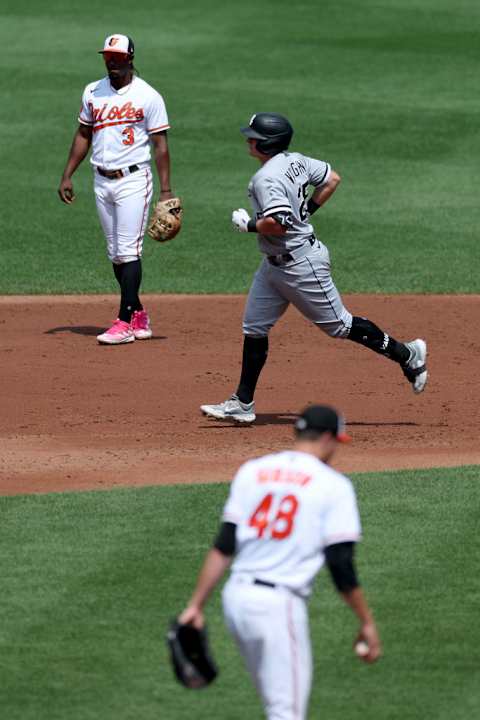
(166,220)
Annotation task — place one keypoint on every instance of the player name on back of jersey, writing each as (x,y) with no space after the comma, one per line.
(283,475)
(295,169)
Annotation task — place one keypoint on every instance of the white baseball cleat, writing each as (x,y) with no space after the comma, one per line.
(121,332)
(231,409)
(416,370)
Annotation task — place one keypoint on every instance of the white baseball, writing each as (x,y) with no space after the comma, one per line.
(361,648)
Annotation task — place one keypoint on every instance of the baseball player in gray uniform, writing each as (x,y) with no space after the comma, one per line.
(296,265)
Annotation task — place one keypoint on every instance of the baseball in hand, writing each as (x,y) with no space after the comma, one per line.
(361,648)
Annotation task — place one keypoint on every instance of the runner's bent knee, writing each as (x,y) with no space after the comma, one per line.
(338,327)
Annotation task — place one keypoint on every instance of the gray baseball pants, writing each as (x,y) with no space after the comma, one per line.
(305,282)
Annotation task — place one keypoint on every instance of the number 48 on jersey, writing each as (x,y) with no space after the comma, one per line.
(278,526)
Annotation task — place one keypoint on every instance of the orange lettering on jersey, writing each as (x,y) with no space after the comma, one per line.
(283,475)
(125,112)
(277,474)
(129,136)
(259,518)
(122,113)
(282,524)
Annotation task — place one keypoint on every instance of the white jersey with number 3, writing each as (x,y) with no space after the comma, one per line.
(288,507)
(122,121)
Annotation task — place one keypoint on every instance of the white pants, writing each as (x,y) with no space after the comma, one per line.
(307,284)
(123,207)
(270,626)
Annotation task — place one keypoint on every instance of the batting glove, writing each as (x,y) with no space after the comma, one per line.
(240,220)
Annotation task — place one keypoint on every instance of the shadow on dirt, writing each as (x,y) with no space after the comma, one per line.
(289,419)
(89,330)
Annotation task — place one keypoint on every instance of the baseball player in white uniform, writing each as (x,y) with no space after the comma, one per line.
(121,117)
(296,265)
(287,515)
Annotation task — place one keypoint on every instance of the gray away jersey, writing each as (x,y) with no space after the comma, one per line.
(281,185)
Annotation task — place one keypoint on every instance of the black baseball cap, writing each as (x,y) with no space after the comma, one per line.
(320,419)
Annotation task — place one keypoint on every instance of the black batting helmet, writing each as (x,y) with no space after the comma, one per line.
(273,132)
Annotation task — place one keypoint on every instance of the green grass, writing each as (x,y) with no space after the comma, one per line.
(386,91)
(90,580)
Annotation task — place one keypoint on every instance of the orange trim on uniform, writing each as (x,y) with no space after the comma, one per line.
(162,127)
(116,122)
(145,210)
(294,656)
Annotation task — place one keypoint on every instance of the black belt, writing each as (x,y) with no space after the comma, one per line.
(286,257)
(263,582)
(117,174)
(280,259)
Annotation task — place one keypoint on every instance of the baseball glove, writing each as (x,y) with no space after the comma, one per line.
(190,655)
(166,220)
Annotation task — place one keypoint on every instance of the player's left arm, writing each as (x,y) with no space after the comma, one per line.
(323,193)
(216,563)
(162,162)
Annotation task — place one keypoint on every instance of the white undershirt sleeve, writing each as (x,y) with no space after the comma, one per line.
(342,519)
(85,116)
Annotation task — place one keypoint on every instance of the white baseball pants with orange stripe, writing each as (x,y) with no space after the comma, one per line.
(270,626)
(123,207)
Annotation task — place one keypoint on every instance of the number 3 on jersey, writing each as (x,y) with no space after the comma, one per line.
(129,136)
(282,524)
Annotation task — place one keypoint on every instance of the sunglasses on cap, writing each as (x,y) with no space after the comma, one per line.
(117,56)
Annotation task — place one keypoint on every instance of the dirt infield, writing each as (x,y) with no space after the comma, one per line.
(76,415)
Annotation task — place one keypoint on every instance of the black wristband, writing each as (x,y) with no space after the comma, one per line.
(252,225)
(312,206)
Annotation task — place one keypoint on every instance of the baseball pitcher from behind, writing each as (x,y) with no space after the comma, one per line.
(296,265)
(287,514)
(120,116)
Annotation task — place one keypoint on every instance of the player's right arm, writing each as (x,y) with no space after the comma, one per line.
(220,556)
(214,567)
(274,209)
(269,226)
(78,151)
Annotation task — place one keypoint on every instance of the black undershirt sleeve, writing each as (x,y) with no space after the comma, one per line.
(225,540)
(339,559)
